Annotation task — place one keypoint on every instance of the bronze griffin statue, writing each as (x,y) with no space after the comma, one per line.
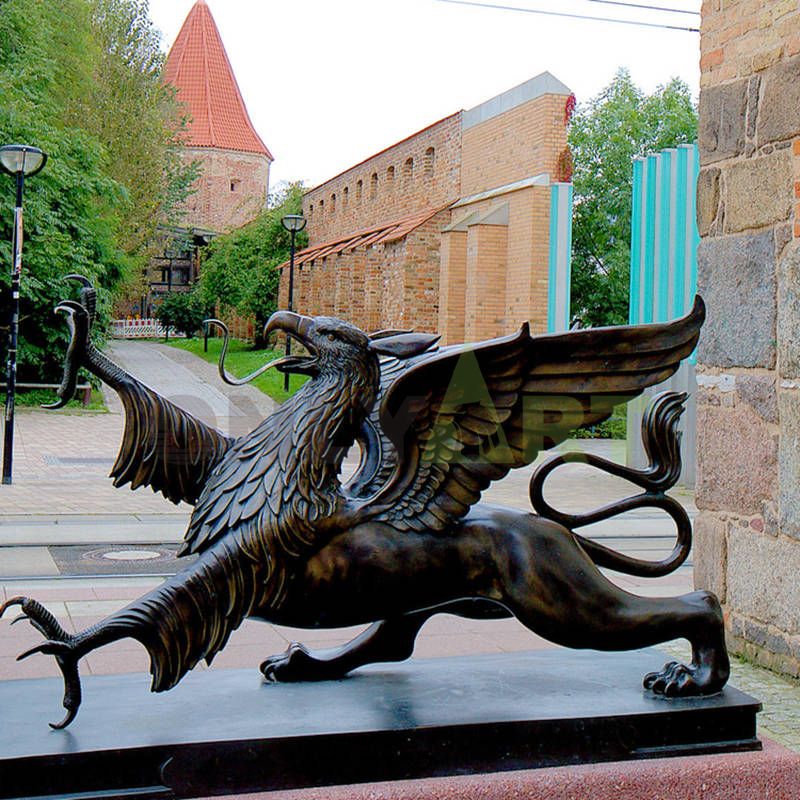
(279,538)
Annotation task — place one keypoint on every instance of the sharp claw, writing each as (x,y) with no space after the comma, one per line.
(57,726)
(40,648)
(19,619)
(14,601)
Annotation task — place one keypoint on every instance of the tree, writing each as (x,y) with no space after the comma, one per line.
(82,211)
(239,273)
(182,311)
(606,134)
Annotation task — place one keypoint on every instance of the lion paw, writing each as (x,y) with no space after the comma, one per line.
(295,664)
(682,680)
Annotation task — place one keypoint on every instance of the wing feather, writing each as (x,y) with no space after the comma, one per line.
(448,423)
(164,446)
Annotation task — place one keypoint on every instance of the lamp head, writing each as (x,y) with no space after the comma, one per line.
(16,158)
(293,222)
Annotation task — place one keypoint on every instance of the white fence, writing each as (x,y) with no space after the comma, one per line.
(140,329)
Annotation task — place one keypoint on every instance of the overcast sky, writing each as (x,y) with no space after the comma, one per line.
(330,82)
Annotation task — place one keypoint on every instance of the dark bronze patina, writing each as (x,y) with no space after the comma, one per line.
(279,538)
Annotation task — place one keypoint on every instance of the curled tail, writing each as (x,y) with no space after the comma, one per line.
(661,441)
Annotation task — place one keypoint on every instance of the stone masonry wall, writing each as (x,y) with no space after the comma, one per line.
(230,191)
(747,535)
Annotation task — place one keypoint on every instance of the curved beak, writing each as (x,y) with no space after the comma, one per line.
(298,327)
(287,321)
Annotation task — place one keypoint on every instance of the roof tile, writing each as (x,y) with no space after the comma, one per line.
(198,67)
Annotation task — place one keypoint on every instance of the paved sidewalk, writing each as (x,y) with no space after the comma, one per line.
(61,495)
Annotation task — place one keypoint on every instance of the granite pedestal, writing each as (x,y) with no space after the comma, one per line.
(225,731)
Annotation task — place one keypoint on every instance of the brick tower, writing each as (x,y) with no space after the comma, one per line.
(234,181)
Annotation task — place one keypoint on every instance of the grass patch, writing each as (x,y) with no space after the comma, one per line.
(33,398)
(241,360)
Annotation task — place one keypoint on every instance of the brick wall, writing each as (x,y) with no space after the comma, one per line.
(230,191)
(470,284)
(422,171)
(522,142)
(747,545)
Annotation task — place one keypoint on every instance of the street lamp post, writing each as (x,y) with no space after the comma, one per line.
(18,160)
(293,223)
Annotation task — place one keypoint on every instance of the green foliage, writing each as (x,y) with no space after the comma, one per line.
(238,273)
(615,427)
(68,78)
(606,134)
(182,311)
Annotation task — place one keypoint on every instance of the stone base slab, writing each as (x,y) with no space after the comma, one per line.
(225,731)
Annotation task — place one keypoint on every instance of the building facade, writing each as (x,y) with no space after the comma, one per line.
(449,229)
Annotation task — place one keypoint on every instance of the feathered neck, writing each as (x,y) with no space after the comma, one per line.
(316,427)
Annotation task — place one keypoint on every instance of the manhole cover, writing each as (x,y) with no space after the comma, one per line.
(126,559)
(132,555)
(119,554)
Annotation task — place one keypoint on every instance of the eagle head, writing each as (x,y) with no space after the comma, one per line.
(335,347)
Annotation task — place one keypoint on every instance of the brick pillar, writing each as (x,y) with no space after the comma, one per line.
(485,300)
(452,286)
(747,546)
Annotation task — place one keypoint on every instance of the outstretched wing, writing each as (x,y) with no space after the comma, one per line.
(463,417)
(163,446)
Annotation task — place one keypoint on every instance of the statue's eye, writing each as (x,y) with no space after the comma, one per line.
(331,337)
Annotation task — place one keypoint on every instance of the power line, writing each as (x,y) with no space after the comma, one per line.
(570,16)
(644,7)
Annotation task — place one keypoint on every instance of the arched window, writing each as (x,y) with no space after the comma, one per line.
(373,186)
(408,169)
(310,210)
(345,196)
(333,203)
(390,177)
(235,183)
(321,207)
(359,190)
(430,157)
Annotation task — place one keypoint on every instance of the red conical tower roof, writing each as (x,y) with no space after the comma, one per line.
(198,67)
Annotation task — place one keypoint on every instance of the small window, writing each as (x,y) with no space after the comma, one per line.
(408,169)
(359,190)
(345,196)
(321,207)
(430,156)
(373,186)
(235,184)
(390,176)
(310,210)
(333,203)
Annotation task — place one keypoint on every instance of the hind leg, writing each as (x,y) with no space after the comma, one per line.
(385,641)
(554,588)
